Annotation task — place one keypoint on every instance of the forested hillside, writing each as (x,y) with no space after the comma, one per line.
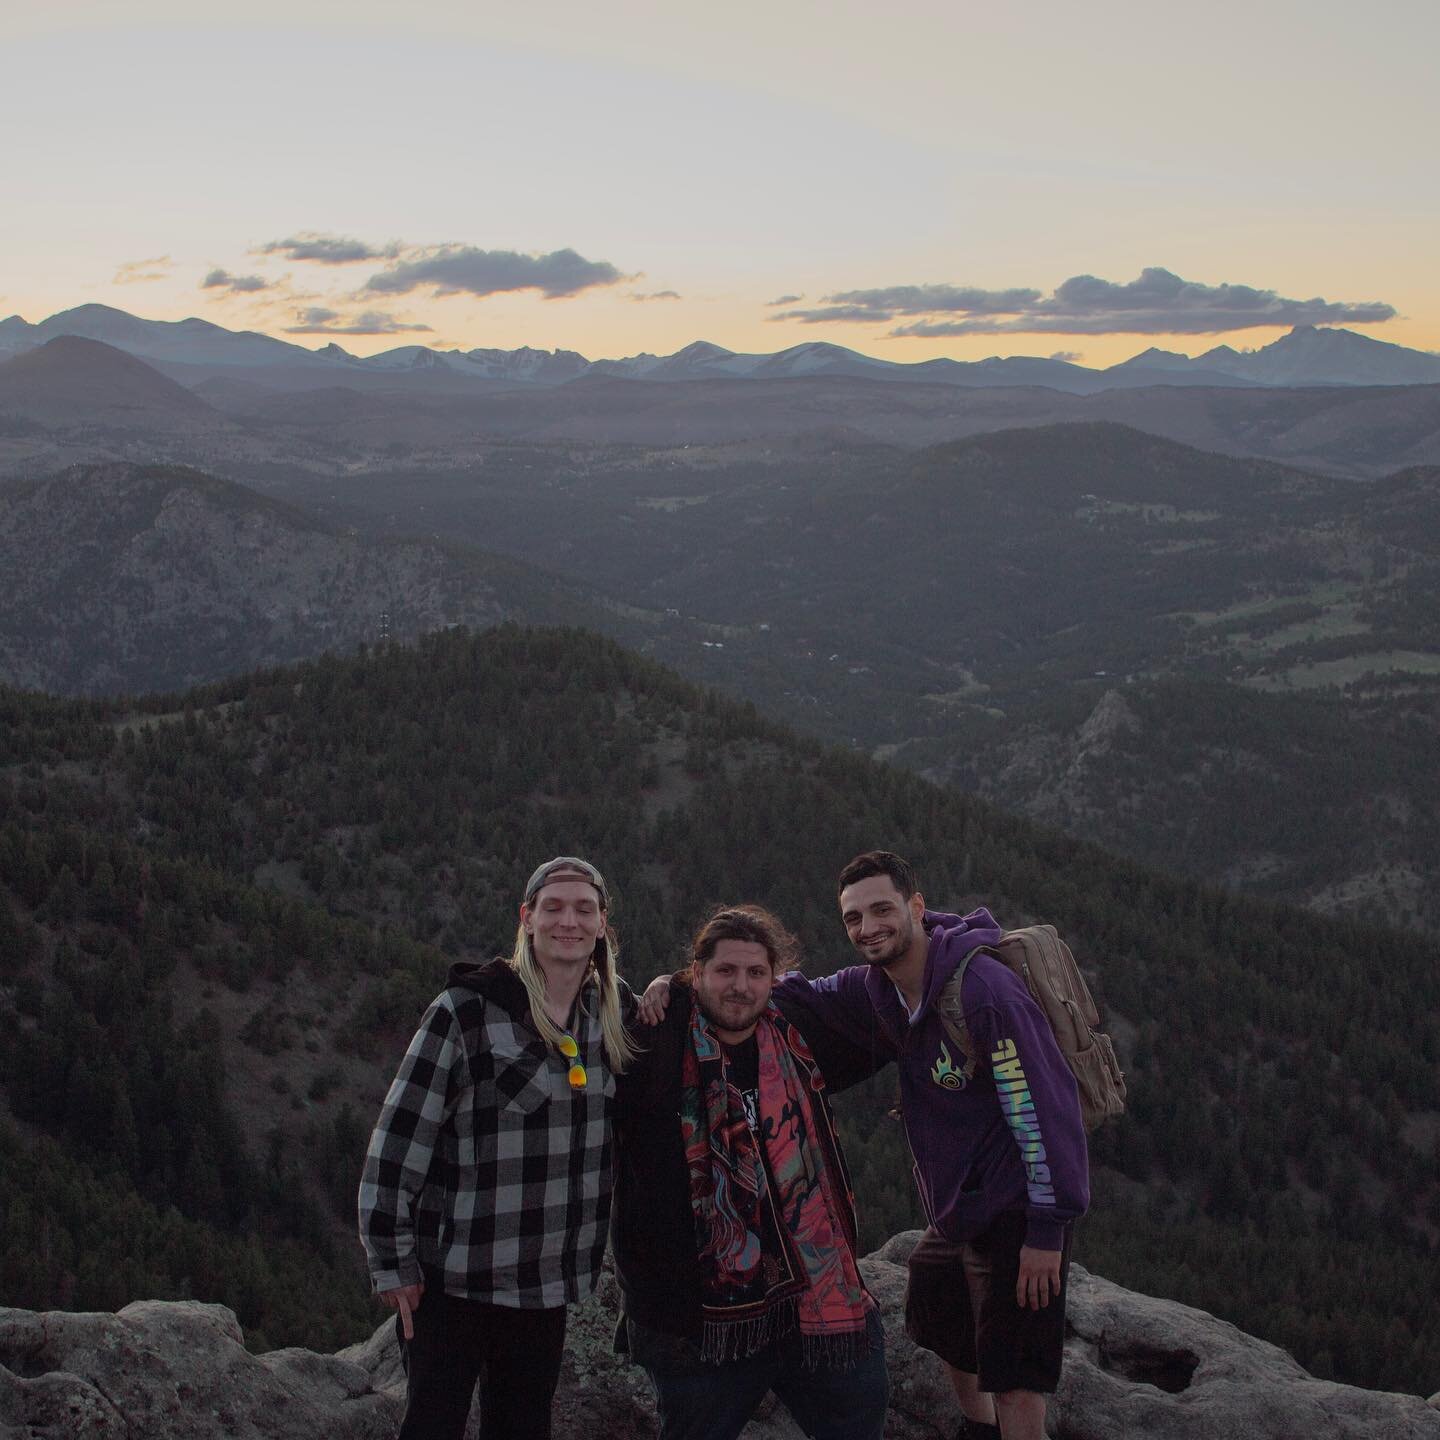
(123,578)
(963,611)
(221,915)
(1221,666)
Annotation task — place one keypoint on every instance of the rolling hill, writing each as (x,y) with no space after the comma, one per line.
(75,382)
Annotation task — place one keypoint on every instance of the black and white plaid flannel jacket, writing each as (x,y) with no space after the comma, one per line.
(485,1165)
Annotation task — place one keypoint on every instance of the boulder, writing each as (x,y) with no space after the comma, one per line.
(175,1370)
(1139,1366)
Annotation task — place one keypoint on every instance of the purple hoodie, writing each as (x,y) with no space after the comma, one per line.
(1008,1140)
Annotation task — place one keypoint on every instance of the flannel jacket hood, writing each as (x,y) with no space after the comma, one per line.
(486,1170)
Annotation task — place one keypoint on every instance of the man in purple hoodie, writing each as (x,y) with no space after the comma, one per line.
(1000,1158)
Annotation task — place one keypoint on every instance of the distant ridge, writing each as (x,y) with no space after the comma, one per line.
(70,380)
(1310,356)
(153,577)
(187,349)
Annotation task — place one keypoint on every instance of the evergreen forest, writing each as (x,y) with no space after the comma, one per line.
(221,914)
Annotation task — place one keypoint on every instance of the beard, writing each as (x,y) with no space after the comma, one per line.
(729,1017)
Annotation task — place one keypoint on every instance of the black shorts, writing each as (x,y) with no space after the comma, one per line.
(961,1304)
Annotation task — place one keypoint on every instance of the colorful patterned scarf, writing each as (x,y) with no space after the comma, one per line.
(774,1223)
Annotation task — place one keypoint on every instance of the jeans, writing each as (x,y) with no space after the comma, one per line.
(514,1353)
(699,1401)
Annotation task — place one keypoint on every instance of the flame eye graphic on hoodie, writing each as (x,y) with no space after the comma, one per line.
(946,1073)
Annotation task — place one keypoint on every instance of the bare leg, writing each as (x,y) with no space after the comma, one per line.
(1022,1414)
(975,1403)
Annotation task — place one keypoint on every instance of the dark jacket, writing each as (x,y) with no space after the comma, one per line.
(653,1223)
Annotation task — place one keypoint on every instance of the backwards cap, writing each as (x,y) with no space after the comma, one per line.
(567,867)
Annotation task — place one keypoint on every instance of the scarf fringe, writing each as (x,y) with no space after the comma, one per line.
(722,1340)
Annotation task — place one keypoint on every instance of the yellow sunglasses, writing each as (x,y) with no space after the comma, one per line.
(571,1051)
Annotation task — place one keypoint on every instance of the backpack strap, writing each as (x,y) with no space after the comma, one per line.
(952,1016)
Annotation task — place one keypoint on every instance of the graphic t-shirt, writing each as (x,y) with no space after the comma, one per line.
(742,1071)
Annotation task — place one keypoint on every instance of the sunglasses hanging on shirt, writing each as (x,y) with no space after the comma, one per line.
(571,1051)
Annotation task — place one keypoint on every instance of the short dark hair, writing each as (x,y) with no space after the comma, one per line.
(752,923)
(879,862)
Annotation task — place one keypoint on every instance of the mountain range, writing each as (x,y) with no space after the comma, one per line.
(74,399)
(189,348)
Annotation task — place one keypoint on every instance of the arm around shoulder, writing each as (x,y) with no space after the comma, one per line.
(836,1018)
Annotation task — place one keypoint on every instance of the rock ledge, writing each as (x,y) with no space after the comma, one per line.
(1136,1368)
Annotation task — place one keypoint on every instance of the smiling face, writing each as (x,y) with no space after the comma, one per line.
(882,924)
(732,987)
(564,921)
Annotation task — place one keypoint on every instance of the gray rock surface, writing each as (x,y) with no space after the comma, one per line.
(1145,1367)
(1136,1368)
(174,1370)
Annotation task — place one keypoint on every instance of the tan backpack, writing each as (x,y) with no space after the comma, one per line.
(1044,962)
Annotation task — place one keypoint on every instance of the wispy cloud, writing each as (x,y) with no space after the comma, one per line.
(1158,302)
(784,300)
(656,295)
(467,270)
(219,279)
(136,272)
(326,249)
(318,320)
(1070,357)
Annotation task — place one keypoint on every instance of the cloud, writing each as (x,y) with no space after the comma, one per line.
(1158,302)
(327,249)
(656,295)
(466,270)
(784,300)
(317,320)
(316,315)
(860,313)
(219,279)
(886,304)
(1070,357)
(135,272)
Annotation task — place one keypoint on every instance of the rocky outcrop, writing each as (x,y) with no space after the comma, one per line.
(166,1370)
(1056,777)
(1136,1368)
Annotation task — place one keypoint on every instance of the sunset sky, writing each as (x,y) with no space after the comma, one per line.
(911,179)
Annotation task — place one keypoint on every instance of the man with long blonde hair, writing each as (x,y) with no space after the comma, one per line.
(485,1199)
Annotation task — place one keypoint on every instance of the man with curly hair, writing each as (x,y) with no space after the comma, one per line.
(734,1231)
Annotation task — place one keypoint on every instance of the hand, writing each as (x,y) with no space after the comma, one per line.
(1039,1277)
(406,1301)
(656,1000)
